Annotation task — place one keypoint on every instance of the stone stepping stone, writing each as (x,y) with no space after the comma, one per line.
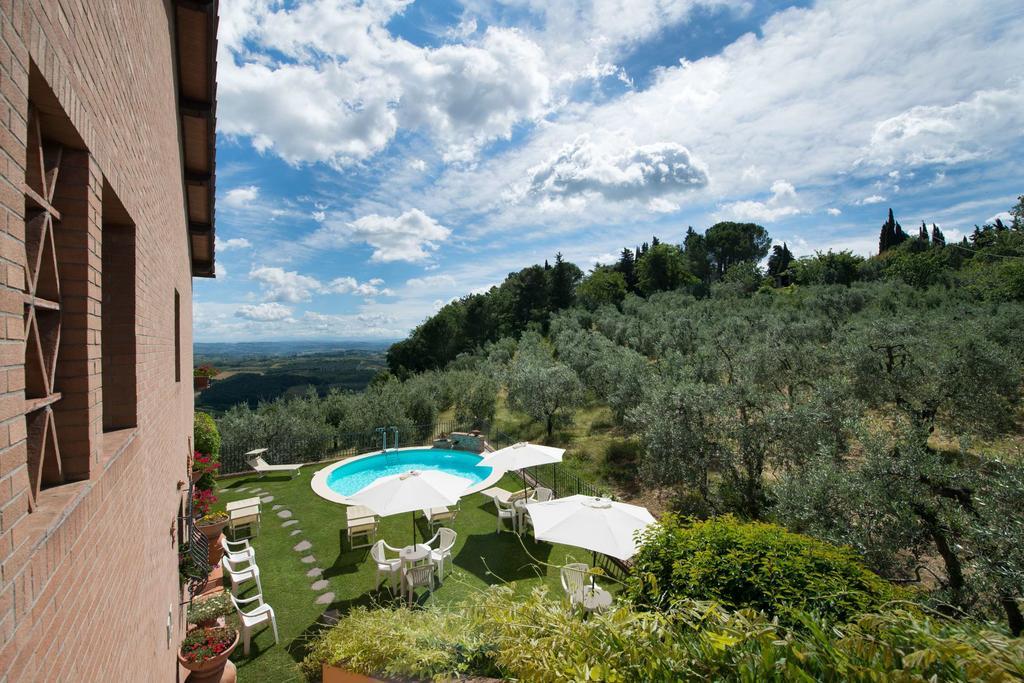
(314,572)
(309,559)
(295,532)
(276,507)
(242,490)
(266,499)
(331,616)
(290,522)
(325,598)
(320,585)
(302,546)
(284,514)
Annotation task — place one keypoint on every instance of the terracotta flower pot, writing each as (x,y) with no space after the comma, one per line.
(200,383)
(212,669)
(196,475)
(213,533)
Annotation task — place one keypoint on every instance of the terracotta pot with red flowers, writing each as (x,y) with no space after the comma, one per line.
(205,653)
(212,526)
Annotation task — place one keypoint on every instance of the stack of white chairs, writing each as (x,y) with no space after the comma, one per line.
(239,563)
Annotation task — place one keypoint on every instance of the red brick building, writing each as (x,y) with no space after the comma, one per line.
(106,214)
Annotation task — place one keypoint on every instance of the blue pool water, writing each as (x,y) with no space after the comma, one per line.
(350,478)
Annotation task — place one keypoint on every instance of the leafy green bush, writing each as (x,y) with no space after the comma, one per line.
(538,639)
(756,565)
(205,434)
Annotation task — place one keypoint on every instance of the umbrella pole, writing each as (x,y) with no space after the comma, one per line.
(414,527)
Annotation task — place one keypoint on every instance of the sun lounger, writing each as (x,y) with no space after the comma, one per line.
(256,461)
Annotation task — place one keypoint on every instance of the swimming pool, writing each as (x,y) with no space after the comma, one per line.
(338,481)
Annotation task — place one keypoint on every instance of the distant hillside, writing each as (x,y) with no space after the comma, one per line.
(262,371)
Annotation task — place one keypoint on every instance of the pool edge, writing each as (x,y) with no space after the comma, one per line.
(320,487)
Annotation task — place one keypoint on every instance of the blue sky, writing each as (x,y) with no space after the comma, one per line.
(377,159)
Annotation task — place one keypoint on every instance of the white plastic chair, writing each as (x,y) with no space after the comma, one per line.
(238,551)
(239,575)
(574,578)
(445,538)
(506,511)
(543,495)
(419,575)
(254,617)
(392,567)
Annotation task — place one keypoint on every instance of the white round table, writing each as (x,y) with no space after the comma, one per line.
(411,554)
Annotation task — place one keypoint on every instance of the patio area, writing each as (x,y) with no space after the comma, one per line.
(310,574)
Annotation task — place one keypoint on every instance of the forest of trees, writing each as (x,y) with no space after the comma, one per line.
(873,402)
(726,257)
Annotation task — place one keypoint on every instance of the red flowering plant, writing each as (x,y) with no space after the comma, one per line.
(203,644)
(202,501)
(206,464)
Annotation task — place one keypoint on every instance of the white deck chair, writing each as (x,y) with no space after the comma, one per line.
(257,462)
(543,495)
(239,575)
(390,566)
(419,575)
(254,617)
(445,538)
(574,577)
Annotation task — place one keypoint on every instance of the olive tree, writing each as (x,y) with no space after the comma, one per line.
(540,386)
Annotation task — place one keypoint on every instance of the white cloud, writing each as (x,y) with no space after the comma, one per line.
(431,282)
(349,285)
(231,244)
(346,84)
(266,312)
(833,211)
(591,166)
(240,197)
(290,286)
(872,199)
(1004,216)
(782,203)
(950,134)
(319,216)
(285,285)
(418,165)
(407,237)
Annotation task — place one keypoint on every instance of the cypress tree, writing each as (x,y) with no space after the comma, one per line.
(655,241)
(922,233)
(938,239)
(627,266)
(887,237)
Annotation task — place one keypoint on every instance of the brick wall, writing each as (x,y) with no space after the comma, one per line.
(88,579)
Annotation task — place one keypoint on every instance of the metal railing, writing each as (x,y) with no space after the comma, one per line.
(556,477)
(325,446)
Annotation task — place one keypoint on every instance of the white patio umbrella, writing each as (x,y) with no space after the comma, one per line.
(522,455)
(600,525)
(411,491)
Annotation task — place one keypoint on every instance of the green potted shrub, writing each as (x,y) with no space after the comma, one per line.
(205,613)
(205,652)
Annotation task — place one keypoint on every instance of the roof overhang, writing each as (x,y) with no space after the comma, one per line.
(196,54)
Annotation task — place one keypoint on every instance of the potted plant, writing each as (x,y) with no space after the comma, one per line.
(205,613)
(212,526)
(202,375)
(205,652)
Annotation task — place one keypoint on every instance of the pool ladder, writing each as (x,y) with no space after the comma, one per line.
(390,457)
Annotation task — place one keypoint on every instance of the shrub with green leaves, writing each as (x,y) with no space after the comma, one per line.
(537,638)
(752,564)
(206,435)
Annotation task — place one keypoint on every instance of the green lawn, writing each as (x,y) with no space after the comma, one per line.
(481,557)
